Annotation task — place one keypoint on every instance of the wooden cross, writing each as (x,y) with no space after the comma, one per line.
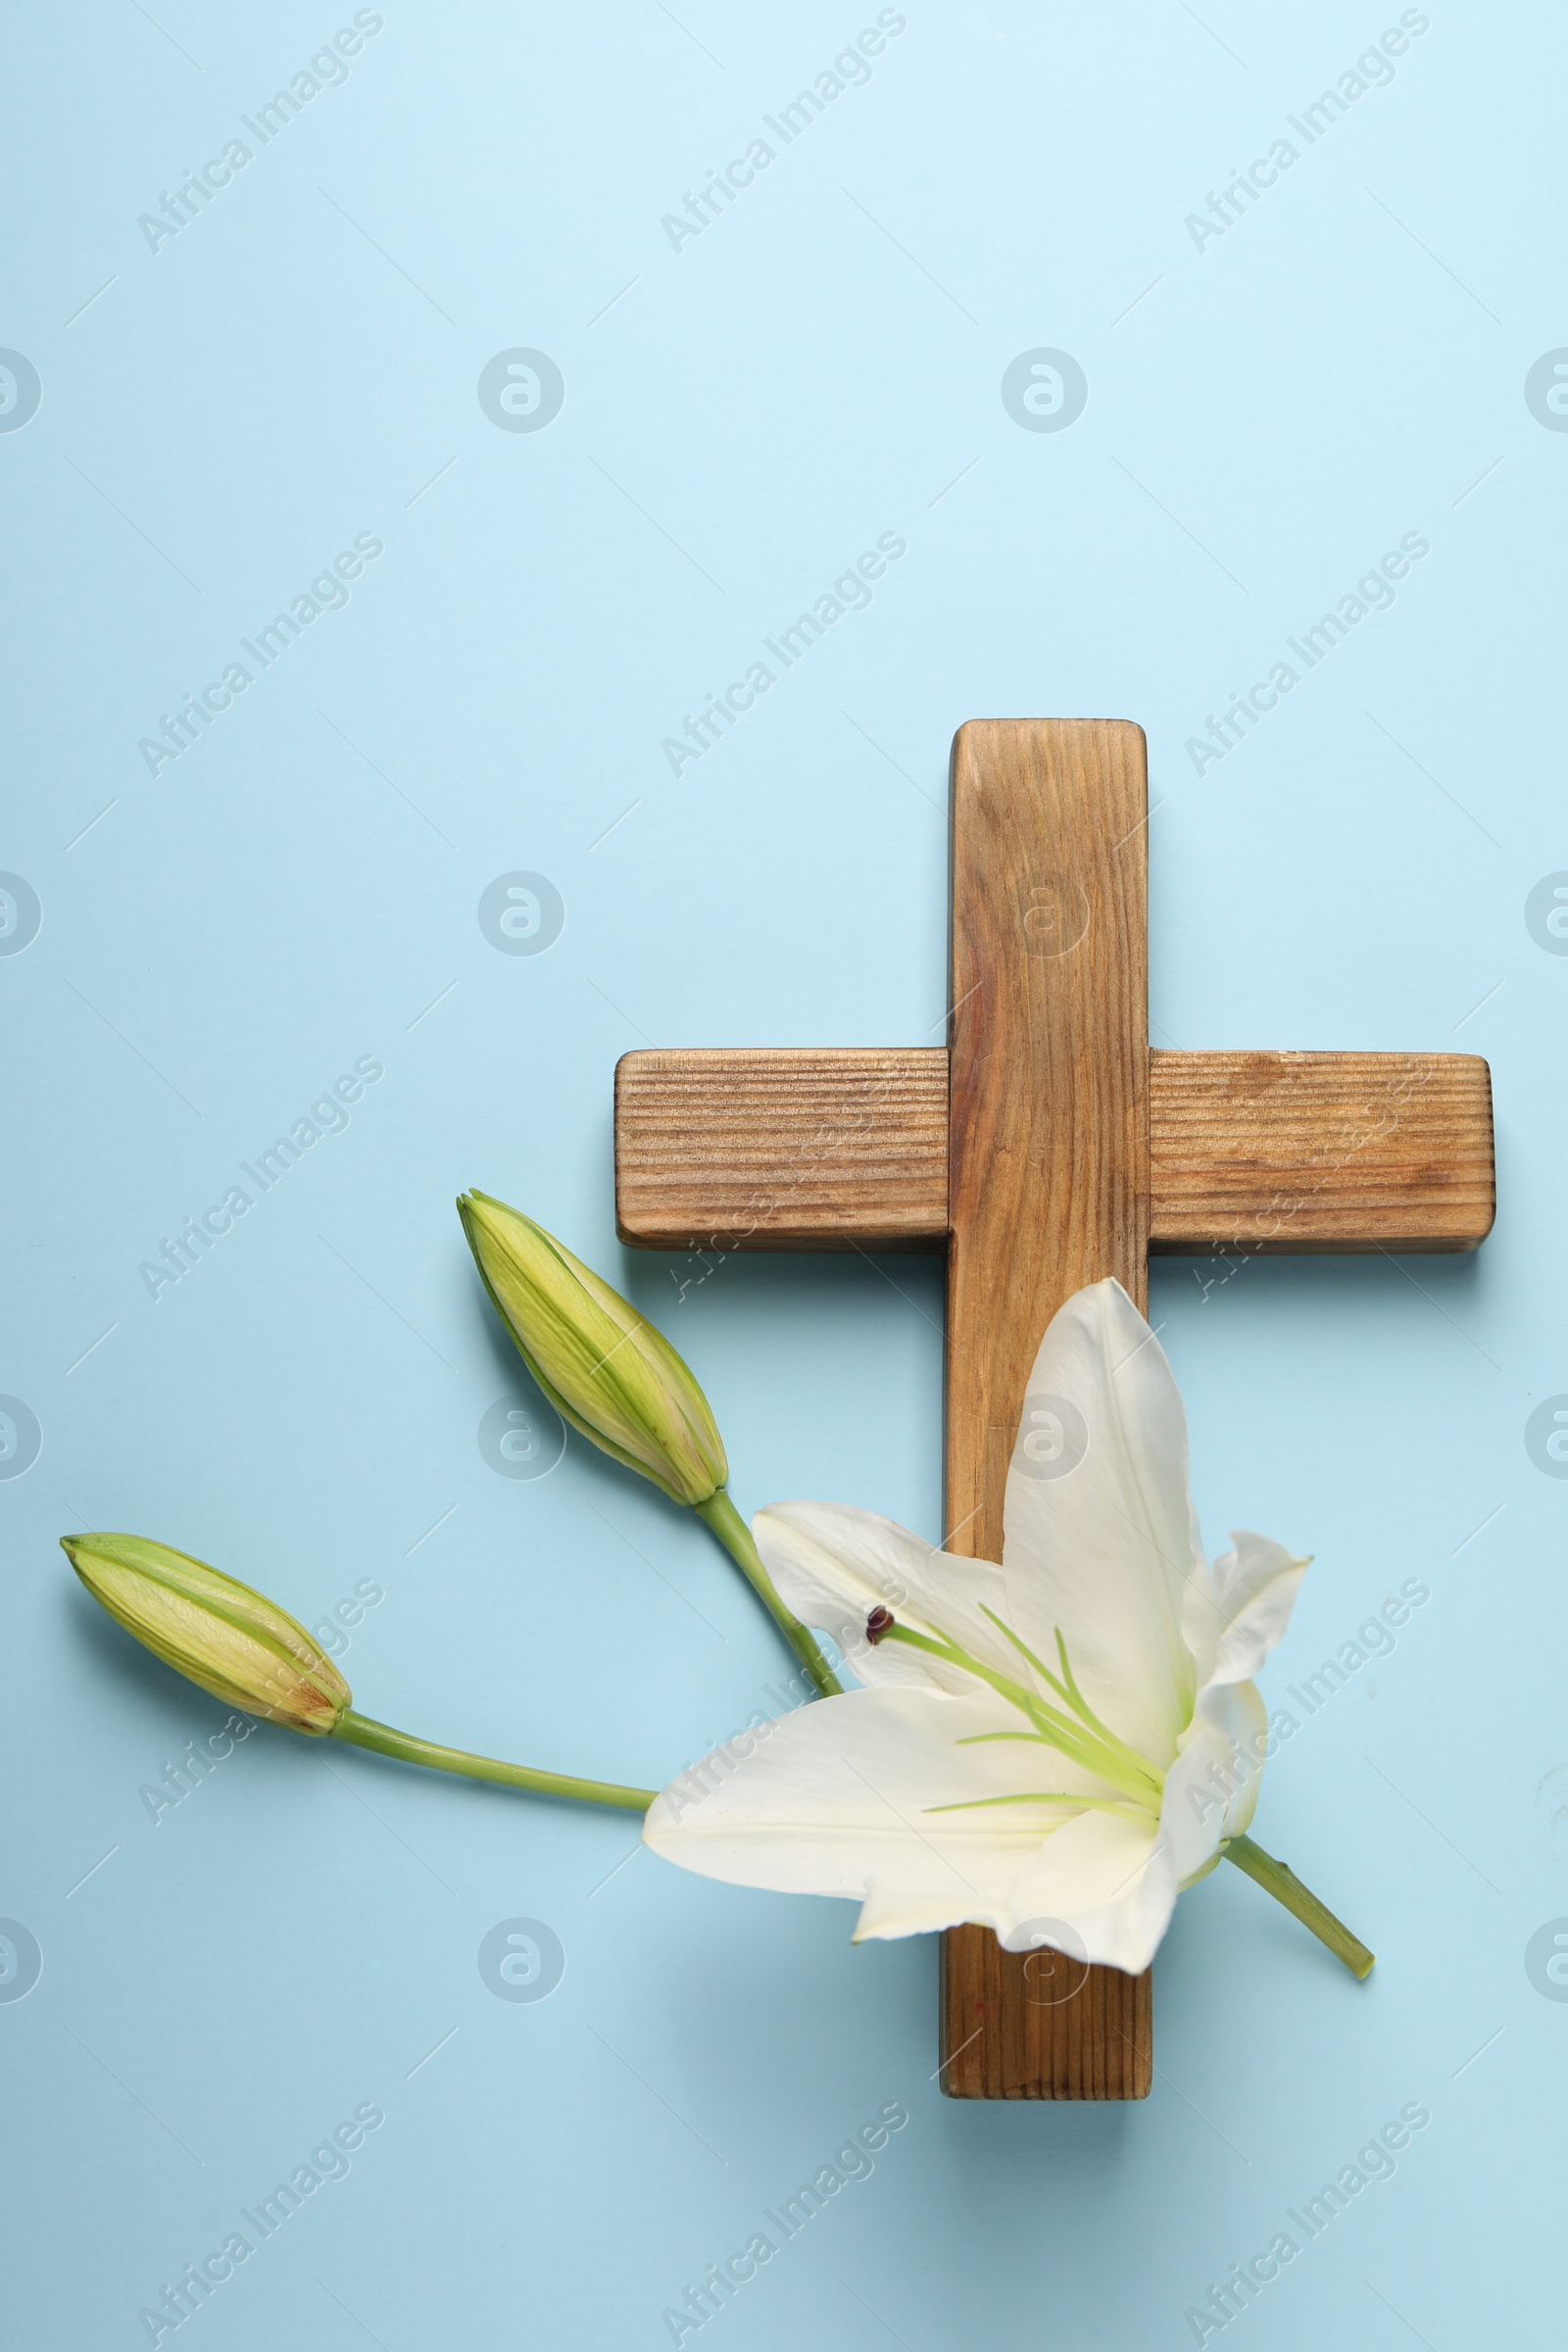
(1044,1149)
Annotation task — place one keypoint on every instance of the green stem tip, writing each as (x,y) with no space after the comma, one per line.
(1282,1882)
(363,1731)
(735,1536)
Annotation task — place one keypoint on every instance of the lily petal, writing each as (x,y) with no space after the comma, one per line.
(1099,1888)
(834,1566)
(1106,1878)
(839,1798)
(1245,1719)
(1255,1589)
(1211,1789)
(1100,1533)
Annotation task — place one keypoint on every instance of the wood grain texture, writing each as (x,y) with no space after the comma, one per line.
(1249,1152)
(782,1150)
(1047,1189)
(1038,2025)
(1280,1154)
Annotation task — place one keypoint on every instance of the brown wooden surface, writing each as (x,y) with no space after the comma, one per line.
(1040,2026)
(1047,1189)
(782,1150)
(1286,1153)
(1271,1152)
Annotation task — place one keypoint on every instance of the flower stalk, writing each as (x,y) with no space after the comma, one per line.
(733,1533)
(1280,1882)
(363,1731)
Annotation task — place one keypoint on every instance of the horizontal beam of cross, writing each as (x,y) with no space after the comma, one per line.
(1249,1152)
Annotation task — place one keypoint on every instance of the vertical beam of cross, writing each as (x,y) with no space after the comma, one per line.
(1048,1189)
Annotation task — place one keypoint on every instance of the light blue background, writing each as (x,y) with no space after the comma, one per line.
(1266,417)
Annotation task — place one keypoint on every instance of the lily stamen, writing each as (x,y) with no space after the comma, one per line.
(1067,1688)
(1091,1746)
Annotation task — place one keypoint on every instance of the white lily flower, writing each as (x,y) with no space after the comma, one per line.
(1052,1747)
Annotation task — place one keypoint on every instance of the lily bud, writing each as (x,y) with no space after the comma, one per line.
(610,1373)
(218,1633)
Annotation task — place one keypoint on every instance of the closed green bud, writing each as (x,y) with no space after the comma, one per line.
(608,1371)
(232,1641)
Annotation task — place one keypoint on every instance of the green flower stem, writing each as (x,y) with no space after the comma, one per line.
(735,1536)
(1282,1882)
(361,1731)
